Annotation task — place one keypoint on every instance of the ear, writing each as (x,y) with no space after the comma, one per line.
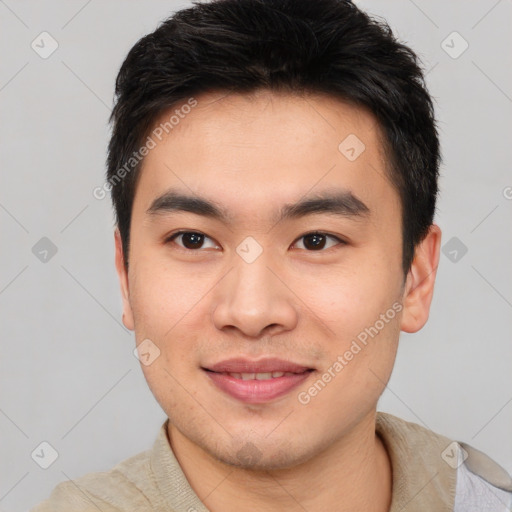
(123,281)
(419,286)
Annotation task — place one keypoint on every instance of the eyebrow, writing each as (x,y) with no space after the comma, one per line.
(340,203)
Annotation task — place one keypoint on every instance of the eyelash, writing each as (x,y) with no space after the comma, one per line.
(173,236)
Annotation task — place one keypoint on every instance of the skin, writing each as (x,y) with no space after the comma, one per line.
(252,154)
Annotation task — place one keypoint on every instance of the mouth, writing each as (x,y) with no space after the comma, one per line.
(257,381)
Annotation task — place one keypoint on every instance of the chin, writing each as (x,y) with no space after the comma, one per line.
(260,455)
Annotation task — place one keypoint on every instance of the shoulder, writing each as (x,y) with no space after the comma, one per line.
(123,488)
(474,481)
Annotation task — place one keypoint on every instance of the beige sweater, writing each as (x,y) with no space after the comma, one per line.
(428,475)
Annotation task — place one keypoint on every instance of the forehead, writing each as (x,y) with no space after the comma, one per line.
(257,149)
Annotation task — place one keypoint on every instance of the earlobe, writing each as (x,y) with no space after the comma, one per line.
(123,281)
(419,287)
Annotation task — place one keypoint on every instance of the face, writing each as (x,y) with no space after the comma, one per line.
(268,309)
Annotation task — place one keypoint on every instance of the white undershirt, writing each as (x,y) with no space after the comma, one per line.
(474,494)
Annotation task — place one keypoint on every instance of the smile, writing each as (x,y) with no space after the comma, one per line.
(261,382)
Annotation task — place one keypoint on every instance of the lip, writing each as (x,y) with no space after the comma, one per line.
(243,365)
(257,391)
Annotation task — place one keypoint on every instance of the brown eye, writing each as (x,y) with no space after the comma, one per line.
(318,241)
(190,240)
(313,242)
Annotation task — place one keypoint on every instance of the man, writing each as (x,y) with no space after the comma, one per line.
(273,167)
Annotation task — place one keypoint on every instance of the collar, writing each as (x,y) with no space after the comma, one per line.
(422,480)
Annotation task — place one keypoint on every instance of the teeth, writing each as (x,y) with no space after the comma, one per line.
(263,376)
(259,376)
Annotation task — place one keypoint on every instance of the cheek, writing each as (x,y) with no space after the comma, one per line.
(164,303)
(163,306)
(352,296)
(163,296)
(362,308)
(353,378)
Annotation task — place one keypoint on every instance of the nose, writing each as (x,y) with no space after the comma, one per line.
(255,299)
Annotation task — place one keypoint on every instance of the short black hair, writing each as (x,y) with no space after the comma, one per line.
(295,46)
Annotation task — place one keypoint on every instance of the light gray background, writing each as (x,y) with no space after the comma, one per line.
(68,374)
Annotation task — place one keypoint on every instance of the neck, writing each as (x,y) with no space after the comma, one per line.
(353,473)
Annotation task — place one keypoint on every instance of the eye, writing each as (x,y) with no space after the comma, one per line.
(190,240)
(317,241)
(313,242)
